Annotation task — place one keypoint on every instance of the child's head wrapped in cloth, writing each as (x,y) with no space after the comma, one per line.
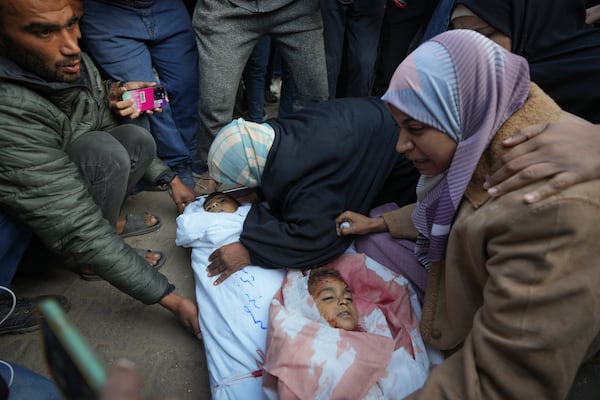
(370,347)
(333,298)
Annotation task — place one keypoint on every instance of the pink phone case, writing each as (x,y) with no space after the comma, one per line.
(147,98)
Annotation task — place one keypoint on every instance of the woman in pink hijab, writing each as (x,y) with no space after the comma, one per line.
(510,286)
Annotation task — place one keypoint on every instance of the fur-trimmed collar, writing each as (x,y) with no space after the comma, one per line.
(538,108)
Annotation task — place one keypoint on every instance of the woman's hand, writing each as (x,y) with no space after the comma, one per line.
(565,152)
(352,223)
(227,260)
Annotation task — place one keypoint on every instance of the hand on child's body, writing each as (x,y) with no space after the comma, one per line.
(225,263)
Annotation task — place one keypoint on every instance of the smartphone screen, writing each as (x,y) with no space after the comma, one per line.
(73,365)
(147,98)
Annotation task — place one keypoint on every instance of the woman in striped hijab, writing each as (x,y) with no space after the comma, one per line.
(499,270)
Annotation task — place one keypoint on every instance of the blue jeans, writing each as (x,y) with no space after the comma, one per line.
(353,29)
(127,42)
(440,20)
(28,385)
(254,79)
(287,98)
(280,69)
(14,239)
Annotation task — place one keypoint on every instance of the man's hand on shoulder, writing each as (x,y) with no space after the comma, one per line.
(564,152)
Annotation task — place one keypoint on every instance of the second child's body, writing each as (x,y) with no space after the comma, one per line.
(233,316)
(345,330)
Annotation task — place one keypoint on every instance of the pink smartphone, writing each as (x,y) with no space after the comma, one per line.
(147,98)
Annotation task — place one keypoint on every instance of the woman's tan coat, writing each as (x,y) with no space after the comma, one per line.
(518,298)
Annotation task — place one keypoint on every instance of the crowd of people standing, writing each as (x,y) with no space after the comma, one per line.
(72,149)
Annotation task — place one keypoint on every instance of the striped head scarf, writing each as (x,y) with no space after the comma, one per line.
(466,86)
(239,152)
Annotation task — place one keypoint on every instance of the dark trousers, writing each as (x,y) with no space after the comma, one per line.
(351,34)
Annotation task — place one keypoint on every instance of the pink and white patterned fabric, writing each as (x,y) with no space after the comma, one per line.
(308,359)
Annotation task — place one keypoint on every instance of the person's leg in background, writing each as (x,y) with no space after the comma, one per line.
(124,48)
(14,239)
(175,57)
(286,98)
(254,76)
(225,36)
(277,68)
(400,32)
(26,384)
(363,27)
(273,81)
(334,15)
(111,163)
(17,315)
(298,33)
(437,18)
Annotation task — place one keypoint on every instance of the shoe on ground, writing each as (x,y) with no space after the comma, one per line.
(271,97)
(135,225)
(143,186)
(24,317)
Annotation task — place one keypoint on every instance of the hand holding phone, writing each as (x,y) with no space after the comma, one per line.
(147,98)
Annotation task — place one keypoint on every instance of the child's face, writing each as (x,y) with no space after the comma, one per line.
(220,203)
(334,301)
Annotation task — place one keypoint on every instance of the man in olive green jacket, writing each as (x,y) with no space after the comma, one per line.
(52,99)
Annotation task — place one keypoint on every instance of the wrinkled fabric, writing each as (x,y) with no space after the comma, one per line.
(306,358)
(234,315)
(466,86)
(326,158)
(239,152)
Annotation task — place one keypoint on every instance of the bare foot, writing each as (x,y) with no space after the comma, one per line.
(152,257)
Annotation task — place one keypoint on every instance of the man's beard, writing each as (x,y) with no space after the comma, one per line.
(32,62)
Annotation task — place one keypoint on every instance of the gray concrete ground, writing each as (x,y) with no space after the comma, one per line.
(169,359)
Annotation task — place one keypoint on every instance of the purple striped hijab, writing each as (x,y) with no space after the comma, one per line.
(466,86)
